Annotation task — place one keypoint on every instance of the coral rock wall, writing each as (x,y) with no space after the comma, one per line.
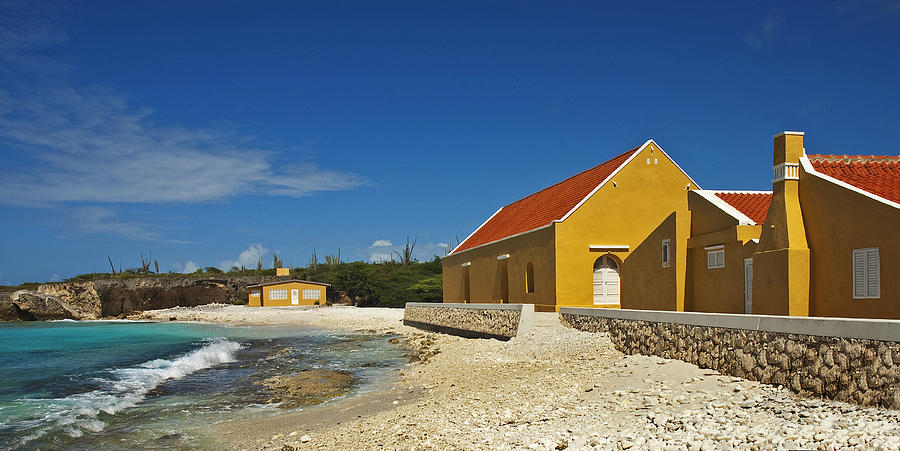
(865,372)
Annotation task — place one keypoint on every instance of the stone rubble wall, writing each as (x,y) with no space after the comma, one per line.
(861,371)
(469,320)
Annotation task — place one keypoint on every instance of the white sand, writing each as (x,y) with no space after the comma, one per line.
(553,388)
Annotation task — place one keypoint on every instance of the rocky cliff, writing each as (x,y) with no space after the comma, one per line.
(107,298)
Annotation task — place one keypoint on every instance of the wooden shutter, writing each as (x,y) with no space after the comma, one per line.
(873,273)
(866,273)
(859,273)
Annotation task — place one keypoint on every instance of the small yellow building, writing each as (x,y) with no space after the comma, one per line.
(286,293)
(612,236)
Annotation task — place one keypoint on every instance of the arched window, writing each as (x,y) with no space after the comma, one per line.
(606,281)
(529,278)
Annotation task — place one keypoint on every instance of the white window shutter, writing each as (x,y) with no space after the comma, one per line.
(859,273)
(720,259)
(710,260)
(873,276)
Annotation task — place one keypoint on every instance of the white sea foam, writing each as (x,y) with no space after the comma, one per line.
(125,388)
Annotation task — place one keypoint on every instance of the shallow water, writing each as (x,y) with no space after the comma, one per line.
(84,385)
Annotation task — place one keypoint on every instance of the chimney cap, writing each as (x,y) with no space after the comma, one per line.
(786,132)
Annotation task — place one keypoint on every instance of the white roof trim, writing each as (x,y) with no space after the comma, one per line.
(479,228)
(613,174)
(501,239)
(714,247)
(809,169)
(594,191)
(711,197)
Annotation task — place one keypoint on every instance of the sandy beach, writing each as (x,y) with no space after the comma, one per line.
(552,388)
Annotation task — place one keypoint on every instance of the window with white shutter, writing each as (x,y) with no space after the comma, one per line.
(866,273)
(715,258)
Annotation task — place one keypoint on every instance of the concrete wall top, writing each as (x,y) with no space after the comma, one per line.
(870,329)
(468,306)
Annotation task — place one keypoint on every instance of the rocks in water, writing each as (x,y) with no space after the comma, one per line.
(307,387)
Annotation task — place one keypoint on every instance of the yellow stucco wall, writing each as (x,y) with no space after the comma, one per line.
(254,297)
(781,264)
(648,205)
(267,302)
(838,221)
(719,290)
(485,272)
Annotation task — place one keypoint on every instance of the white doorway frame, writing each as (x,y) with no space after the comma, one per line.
(748,285)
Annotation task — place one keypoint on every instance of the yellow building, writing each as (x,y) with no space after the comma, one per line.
(822,243)
(829,244)
(612,236)
(725,228)
(286,292)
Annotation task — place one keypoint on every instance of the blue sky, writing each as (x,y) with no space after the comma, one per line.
(212,132)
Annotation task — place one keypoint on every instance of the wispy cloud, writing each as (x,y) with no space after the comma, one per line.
(869,9)
(70,143)
(247,258)
(382,243)
(96,220)
(764,32)
(90,145)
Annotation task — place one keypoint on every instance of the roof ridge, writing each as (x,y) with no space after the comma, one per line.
(832,158)
(575,175)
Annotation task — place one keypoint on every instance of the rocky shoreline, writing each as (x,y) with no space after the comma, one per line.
(117,298)
(552,388)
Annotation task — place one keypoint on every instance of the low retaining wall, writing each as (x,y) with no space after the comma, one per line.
(852,360)
(501,321)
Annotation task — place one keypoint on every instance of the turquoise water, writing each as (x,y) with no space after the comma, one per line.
(125,385)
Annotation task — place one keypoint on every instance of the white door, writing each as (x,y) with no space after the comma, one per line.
(295,297)
(748,285)
(606,281)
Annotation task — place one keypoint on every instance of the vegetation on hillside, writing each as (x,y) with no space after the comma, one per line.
(381,284)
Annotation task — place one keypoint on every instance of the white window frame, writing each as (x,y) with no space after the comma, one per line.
(312,294)
(254,293)
(278,294)
(666,253)
(713,258)
(871,267)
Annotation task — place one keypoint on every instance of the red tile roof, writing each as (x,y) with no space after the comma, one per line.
(754,205)
(543,207)
(879,175)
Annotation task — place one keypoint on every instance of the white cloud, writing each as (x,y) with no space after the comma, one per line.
(380,257)
(382,243)
(248,258)
(187,268)
(55,278)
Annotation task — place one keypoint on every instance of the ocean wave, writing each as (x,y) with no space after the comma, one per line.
(121,389)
